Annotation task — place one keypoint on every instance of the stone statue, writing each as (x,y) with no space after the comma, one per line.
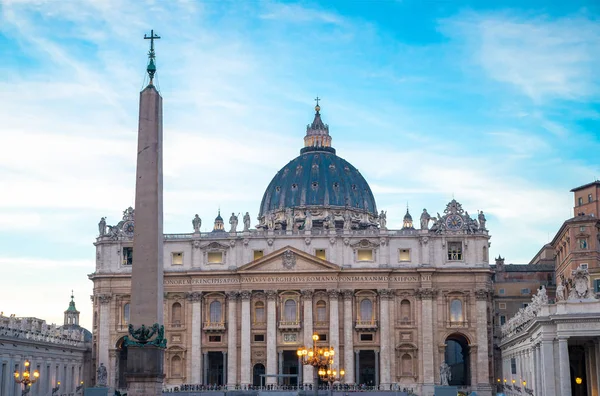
(289,219)
(560,292)
(101,375)
(445,374)
(102,226)
(246,221)
(425,217)
(233,220)
(197,223)
(270,221)
(482,220)
(347,220)
(308,221)
(383,220)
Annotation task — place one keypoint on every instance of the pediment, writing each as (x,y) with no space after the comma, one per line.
(289,259)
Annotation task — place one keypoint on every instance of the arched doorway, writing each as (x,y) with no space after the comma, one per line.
(457,357)
(121,364)
(257,371)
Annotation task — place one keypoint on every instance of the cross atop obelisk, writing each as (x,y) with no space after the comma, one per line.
(151,69)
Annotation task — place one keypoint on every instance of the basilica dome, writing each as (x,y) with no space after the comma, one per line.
(318,180)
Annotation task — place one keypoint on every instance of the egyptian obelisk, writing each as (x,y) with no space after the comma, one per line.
(145,354)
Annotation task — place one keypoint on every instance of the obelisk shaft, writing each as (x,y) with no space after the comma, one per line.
(145,371)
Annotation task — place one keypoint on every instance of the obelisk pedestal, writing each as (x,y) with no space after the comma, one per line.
(145,353)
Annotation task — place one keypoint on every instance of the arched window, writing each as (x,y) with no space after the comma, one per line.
(405,315)
(176,366)
(456,311)
(215,312)
(366,309)
(407,368)
(321,311)
(126,313)
(176,314)
(259,312)
(289,310)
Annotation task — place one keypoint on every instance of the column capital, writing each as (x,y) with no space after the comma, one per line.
(482,294)
(385,294)
(271,294)
(426,293)
(347,294)
(245,295)
(194,297)
(307,294)
(104,298)
(232,295)
(562,338)
(333,294)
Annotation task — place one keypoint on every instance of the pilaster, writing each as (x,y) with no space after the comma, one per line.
(564,366)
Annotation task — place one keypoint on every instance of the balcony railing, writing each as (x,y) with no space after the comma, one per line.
(366,325)
(214,327)
(404,322)
(289,325)
(321,323)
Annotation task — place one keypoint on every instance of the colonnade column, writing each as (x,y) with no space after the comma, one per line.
(334,326)
(232,339)
(385,296)
(357,366)
(245,361)
(271,335)
(348,337)
(564,367)
(280,367)
(377,371)
(483,377)
(195,299)
(426,296)
(104,333)
(538,370)
(112,371)
(225,368)
(307,295)
(549,375)
(205,368)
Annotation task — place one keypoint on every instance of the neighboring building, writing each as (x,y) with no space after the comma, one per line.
(394,304)
(514,284)
(586,199)
(553,349)
(60,353)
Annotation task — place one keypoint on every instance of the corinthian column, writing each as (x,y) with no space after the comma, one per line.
(104,332)
(195,299)
(426,296)
(271,335)
(385,295)
(348,334)
(483,377)
(334,326)
(232,339)
(307,295)
(564,367)
(245,365)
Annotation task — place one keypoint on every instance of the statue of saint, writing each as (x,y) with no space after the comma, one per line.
(246,221)
(101,375)
(347,220)
(560,291)
(233,220)
(425,217)
(308,221)
(197,223)
(102,226)
(383,220)
(481,218)
(445,374)
(289,219)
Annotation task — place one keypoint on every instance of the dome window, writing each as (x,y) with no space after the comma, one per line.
(354,187)
(315,167)
(285,171)
(294,186)
(336,185)
(299,169)
(346,168)
(277,188)
(315,185)
(332,167)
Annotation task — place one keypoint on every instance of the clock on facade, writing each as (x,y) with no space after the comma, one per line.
(454,222)
(128,228)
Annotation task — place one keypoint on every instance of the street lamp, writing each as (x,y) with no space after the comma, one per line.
(330,376)
(79,387)
(317,357)
(56,388)
(25,377)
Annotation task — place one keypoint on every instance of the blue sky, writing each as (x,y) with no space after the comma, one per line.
(494,103)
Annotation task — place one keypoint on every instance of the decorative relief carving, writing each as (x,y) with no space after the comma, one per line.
(246,241)
(307,241)
(347,294)
(196,244)
(271,294)
(194,296)
(232,295)
(307,294)
(245,295)
(482,294)
(332,240)
(346,241)
(333,294)
(104,298)
(385,294)
(426,294)
(289,259)
(270,241)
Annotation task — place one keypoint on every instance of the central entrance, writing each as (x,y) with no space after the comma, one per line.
(457,357)
(290,366)
(366,364)
(214,373)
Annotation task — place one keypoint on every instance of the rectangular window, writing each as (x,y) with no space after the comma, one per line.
(404,255)
(364,255)
(366,337)
(502,305)
(590,198)
(322,337)
(525,291)
(320,253)
(258,254)
(582,243)
(259,338)
(579,201)
(501,291)
(582,228)
(583,266)
(597,285)
(513,366)
(214,338)
(455,251)
(502,319)
(215,257)
(177,258)
(127,256)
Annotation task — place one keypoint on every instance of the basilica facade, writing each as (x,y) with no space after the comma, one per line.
(239,301)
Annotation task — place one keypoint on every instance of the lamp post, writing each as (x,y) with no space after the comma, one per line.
(26,378)
(79,387)
(319,358)
(330,376)
(56,388)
